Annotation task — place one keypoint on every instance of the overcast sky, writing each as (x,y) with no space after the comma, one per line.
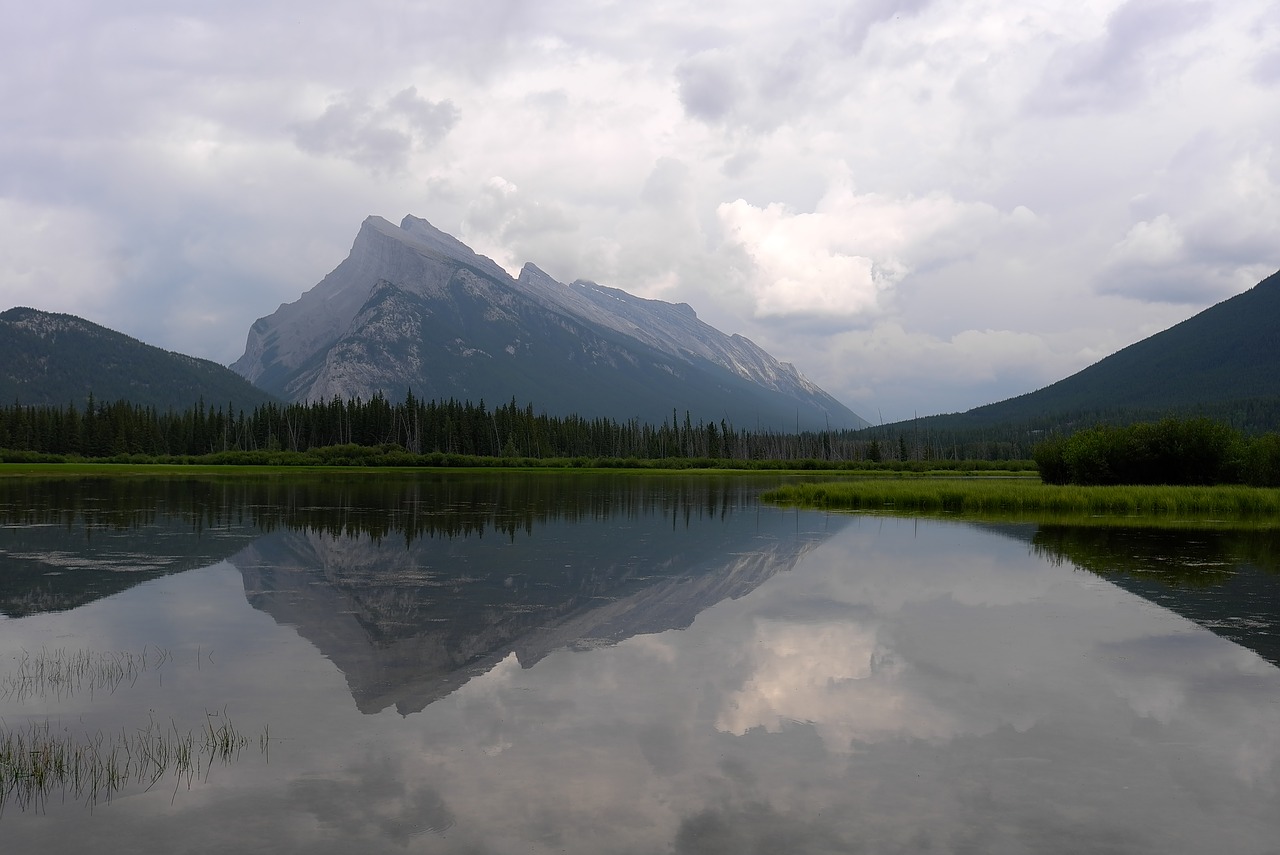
(926,205)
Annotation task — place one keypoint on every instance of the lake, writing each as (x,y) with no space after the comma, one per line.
(630,663)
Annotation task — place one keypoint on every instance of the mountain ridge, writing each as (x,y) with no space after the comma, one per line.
(55,359)
(1225,356)
(412,308)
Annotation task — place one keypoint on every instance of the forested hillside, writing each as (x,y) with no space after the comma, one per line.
(1223,363)
(56,359)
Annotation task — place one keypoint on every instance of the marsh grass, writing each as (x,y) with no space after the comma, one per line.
(42,760)
(65,673)
(1028,499)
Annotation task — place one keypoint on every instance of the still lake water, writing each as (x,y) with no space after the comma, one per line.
(596,664)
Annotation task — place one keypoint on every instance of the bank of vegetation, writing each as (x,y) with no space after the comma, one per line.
(1172,451)
(1029,499)
(1173,468)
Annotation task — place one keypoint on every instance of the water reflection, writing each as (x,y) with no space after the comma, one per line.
(65,543)
(645,679)
(1227,581)
(411,585)
(409,619)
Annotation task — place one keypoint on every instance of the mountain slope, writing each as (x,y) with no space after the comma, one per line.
(1228,353)
(56,359)
(413,308)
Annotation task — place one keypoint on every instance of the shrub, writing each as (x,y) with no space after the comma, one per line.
(1261,467)
(1173,451)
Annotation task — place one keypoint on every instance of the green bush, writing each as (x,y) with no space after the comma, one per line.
(1173,451)
(1262,461)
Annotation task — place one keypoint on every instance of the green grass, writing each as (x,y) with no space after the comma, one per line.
(1025,498)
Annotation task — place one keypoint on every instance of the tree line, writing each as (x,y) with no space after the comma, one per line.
(458,428)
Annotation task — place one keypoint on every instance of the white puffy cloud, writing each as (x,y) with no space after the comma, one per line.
(841,259)
(816,672)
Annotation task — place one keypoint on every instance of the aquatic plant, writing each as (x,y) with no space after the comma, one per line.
(43,759)
(64,673)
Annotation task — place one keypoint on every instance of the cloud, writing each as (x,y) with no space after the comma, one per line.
(857,20)
(504,223)
(1216,243)
(668,184)
(846,257)
(816,672)
(405,809)
(58,258)
(1267,69)
(754,827)
(709,87)
(1138,49)
(751,92)
(892,362)
(380,137)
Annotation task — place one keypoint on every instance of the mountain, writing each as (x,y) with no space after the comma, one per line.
(412,308)
(1223,362)
(55,359)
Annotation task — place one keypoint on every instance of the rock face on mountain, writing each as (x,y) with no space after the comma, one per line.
(412,308)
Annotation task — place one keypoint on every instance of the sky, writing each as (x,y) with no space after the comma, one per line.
(925,205)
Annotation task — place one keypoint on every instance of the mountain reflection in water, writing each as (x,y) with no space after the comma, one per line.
(412,585)
(409,619)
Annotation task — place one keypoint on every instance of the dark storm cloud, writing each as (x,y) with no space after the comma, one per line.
(756,829)
(856,21)
(1161,283)
(380,137)
(1116,70)
(406,809)
(742,90)
(709,87)
(1267,69)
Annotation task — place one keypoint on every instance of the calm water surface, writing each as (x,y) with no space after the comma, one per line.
(543,663)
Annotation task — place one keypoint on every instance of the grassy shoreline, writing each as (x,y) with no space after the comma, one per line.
(1028,499)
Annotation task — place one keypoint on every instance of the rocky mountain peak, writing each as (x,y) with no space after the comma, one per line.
(461,326)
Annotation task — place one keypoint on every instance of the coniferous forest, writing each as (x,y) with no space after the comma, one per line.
(377,430)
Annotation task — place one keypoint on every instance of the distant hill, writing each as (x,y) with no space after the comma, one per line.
(1223,363)
(412,308)
(56,360)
